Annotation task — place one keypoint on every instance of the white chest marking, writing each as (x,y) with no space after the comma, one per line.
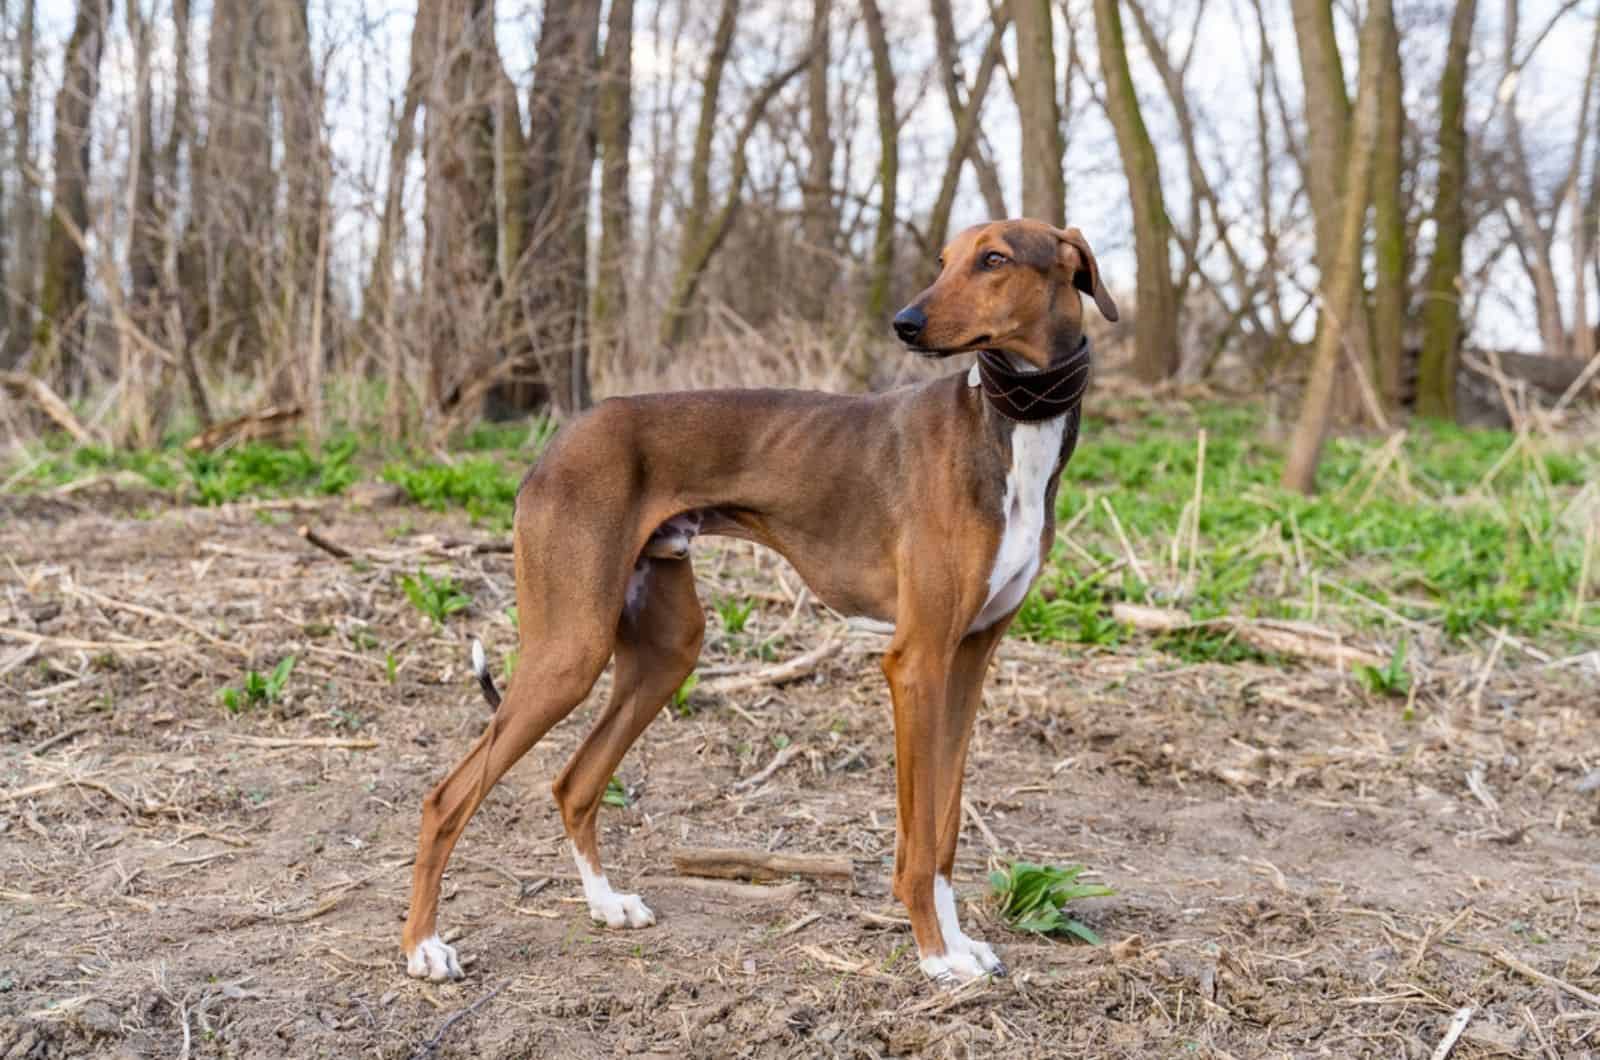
(1035,448)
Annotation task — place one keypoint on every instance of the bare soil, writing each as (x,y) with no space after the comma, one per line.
(1301,869)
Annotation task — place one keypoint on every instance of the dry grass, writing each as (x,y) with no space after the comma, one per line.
(1299,870)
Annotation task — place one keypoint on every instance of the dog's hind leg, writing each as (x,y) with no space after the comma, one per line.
(543,690)
(658,642)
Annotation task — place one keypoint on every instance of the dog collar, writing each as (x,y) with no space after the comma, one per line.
(1031,397)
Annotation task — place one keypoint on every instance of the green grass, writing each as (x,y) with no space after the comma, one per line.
(1462,532)
(1423,541)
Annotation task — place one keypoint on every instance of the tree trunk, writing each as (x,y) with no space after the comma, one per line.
(561,152)
(674,316)
(1327,112)
(614,120)
(1391,296)
(820,217)
(1341,284)
(888,167)
(1156,318)
(376,294)
(966,114)
(22,221)
(63,287)
(1043,189)
(1441,307)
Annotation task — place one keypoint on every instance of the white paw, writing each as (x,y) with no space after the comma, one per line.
(432,959)
(951,968)
(620,911)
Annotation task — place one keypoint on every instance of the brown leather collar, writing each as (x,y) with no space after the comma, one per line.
(1032,397)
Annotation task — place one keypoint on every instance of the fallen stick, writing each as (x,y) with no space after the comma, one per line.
(1298,639)
(779,760)
(61,737)
(784,672)
(47,401)
(1522,968)
(332,549)
(727,889)
(731,864)
(302,741)
(1458,1023)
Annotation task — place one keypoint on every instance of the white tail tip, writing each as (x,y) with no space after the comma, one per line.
(480,662)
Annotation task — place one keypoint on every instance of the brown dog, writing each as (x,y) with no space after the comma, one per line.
(928,510)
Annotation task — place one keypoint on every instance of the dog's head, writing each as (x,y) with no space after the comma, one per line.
(1006,285)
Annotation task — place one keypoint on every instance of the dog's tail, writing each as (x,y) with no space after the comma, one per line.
(480,667)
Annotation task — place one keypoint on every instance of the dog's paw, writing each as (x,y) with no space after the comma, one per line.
(962,961)
(620,911)
(432,959)
(952,968)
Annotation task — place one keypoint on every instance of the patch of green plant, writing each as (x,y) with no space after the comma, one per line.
(1202,644)
(734,612)
(1464,531)
(437,598)
(1033,898)
(258,689)
(680,696)
(1391,679)
(483,486)
(1072,612)
(616,794)
(256,469)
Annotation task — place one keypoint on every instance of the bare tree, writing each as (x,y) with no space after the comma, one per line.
(1341,280)
(1327,118)
(22,219)
(968,143)
(1441,307)
(706,224)
(1044,192)
(820,220)
(1391,296)
(63,286)
(1156,323)
(561,151)
(888,165)
(613,127)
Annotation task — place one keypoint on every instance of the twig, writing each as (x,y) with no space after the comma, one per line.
(337,551)
(782,673)
(1199,501)
(1588,559)
(729,864)
(779,760)
(804,922)
(972,815)
(304,741)
(152,613)
(1458,1023)
(728,890)
(1127,547)
(1476,702)
(61,737)
(1502,957)
(427,1048)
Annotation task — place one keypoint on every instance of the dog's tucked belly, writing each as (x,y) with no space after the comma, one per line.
(1035,450)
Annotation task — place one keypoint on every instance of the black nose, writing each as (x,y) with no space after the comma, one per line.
(909,322)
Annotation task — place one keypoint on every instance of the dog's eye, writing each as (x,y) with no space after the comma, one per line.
(994,259)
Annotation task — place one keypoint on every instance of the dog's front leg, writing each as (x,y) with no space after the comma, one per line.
(924,738)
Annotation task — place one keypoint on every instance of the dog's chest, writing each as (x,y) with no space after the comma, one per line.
(1035,449)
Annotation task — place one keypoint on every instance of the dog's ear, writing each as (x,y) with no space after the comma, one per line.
(1076,255)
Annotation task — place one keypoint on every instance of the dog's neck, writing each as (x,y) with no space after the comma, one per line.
(1022,392)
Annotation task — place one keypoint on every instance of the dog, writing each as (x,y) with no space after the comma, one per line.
(927,511)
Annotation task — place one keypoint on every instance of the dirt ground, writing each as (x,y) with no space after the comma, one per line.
(1301,870)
